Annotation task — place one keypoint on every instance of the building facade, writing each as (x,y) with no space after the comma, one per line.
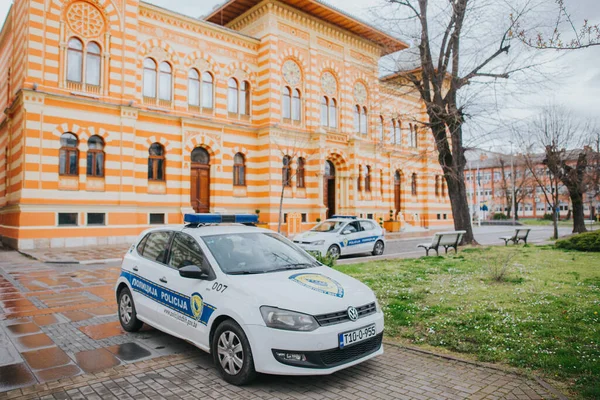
(489,181)
(119,114)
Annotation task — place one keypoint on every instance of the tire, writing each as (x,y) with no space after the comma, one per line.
(334,251)
(229,343)
(378,248)
(127,313)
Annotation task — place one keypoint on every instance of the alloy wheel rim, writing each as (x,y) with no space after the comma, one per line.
(125,309)
(379,248)
(230,352)
(334,252)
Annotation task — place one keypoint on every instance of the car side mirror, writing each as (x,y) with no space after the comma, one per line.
(193,272)
(347,232)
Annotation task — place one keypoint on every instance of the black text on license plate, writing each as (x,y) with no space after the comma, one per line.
(356,336)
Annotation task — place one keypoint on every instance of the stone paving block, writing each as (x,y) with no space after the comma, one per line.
(95,360)
(46,358)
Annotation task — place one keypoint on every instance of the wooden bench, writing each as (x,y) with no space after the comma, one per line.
(520,234)
(443,239)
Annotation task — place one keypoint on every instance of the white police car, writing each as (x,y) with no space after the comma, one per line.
(250,297)
(343,235)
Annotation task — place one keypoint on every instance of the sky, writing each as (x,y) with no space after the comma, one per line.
(571,78)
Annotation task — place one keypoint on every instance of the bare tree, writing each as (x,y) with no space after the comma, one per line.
(440,76)
(592,175)
(522,180)
(292,149)
(582,35)
(555,130)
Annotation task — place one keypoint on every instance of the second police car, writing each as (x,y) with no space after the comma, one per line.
(250,297)
(343,235)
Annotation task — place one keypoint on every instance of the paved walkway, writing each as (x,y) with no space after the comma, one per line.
(60,338)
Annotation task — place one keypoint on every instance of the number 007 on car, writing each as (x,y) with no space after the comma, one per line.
(356,336)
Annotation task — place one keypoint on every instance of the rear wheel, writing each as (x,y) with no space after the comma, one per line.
(378,248)
(232,354)
(334,251)
(127,314)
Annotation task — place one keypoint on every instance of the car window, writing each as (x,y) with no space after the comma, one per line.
(367,225)
(157,246)
(352,227)
(328,226)
(186,251)
(140,246)
(255,253)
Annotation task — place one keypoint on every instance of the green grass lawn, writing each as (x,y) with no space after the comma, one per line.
(542,315)
(542,222)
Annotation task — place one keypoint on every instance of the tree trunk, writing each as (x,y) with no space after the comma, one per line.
(280,209)
(555,223)
(457,193)
(578,216)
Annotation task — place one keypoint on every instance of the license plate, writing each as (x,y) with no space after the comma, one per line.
(356,336)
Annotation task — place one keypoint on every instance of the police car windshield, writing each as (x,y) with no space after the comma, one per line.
(328,226)
(256,253)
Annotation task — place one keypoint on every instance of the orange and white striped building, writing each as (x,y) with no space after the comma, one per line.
(118,114)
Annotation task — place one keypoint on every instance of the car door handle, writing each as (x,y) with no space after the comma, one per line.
(136,269)
(163,279)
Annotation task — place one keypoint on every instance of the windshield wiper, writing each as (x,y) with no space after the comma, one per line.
(295,266)
(247,272)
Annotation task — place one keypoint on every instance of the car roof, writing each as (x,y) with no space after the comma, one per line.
(208,230)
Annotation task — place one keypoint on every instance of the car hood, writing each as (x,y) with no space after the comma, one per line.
(312,291)
(312,236)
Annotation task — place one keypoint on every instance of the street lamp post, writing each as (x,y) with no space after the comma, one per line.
(512,173)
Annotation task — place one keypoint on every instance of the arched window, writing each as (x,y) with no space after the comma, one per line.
(156,162)
(194,88)
(165,81)
(149,82)
(95,156)
(368,179)
(296,106)
(68,155)
(300,173)
(286,106)
(443,186)
(232,96)
(363,121)
(245,98)
(381,128)
(413,185)
(200,155)
(75,60)
(415,136)
(356,118)
(359,179)
(239,170)
(381,182)
(286,171)
(393,132)
(92,64)
(207,90)
(324,110)
(333,113)
(437,185)
(398,133)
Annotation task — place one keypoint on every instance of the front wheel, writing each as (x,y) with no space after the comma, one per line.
(127,314)
(334,251)
(232,354)
(378,249)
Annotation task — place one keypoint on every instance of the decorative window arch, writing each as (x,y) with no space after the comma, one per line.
(238,97)
(95,157)
(156,162)
(200,89)
(239,170)
(75,60)
(300,183)
(68,155)
(286,171)
(149,78)
(413,185)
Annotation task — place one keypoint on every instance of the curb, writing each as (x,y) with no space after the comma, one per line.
(73,262)
(508,370)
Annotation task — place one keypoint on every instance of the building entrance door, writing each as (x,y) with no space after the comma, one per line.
(200,180)
(329,188)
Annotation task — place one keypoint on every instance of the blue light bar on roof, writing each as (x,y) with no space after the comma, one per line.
(220,219)
(344,216)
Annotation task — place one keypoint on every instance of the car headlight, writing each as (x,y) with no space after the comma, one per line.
(318,243)
(288,320)
(377,306)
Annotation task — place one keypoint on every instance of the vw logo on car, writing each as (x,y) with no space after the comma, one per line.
(250,297)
